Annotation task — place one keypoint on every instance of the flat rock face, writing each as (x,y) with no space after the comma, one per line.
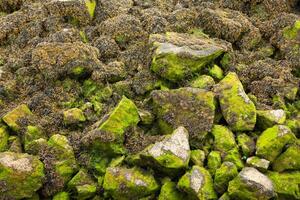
(191,108)
(173,152)
(250,183)
(179,55)
(20,175)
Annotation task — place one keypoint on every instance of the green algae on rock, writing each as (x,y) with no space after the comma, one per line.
(128,183)
(12,117)
(216,72)
(82,185)
(251,184)
(269,118)
(61,196)
(238,110)
(178,55)
(214,161)
(73,116)
(198,183)
(224,139)
(110,134)
(246,144)
(170,192)
(197,157)
(192,108)
(32,134)
(3,138)
(203,82)
(223,175)
(21,175)
(288,160)
(171,154)
(258,163)
(286,184)
(234,156)
(271,142)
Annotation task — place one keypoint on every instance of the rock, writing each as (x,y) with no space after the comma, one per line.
(61,196)
(107,47)
(113,72)
(251,184)
(203,82)
(21,175)
(224,139)
(197,183)
(123,183)
(259,163)
(114,8)
(234,156)
(197,157)
(3,138)
(269,118)
(73,116)
(109,133)
(32,134)
(15,144)
(146,117)
(230,25)
(189,107)
(238,110)
(12,118)
(288,160)
(179,55)
(55,60)
(170,192)
(286,184)
(171,154)
(213,161)
(225,196)
(82,185)
(223,175)
(246,144)
(216,72)
(271,142)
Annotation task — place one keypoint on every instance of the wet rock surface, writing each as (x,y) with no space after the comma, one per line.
(149,99)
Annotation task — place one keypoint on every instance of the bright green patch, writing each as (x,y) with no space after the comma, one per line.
(91,6)
(291,32)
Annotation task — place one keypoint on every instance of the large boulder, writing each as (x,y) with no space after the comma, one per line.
(124,183)
(251,184)
(21,175)
(237,108)
(192,108)
(177,55)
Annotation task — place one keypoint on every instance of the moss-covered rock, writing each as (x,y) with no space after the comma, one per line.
(61,196)
(192,108)
(203,82)
(20,175)
(170,192)
(198,184)
(170,155)
(223,175)
(179,55)
(216,72)
(110,134)
(146,117)
(213,161)
(32,134)
(3,138)
(123,183)
(225,196)
(269,118)
(251,184)
(246,144)
(237,108)
(73,116)
(82,185)
(197,157)
(223,139)
(288,160)
(286,184)
(15,144)
(271,142)
(12,118)
(259,163)
(234,156)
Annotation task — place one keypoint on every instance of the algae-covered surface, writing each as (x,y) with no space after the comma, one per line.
(149,99)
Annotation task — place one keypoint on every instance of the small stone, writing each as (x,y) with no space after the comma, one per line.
(12,118)
(216,72)
(271,142)
(234,156)
(197,183)
(286,184)
(21,175)
(237,108)
(172,153)
(246,144)
(124,183)
(203,82)
(223,175)
(178,55)
(146,117)
(251,184)
(83,185)
(213,161)
(288,160)
(73,116)
(32,133)
(259,163)
(224,139)
(170,192)
(269,118)
(15,144)
(197,157)
(3,138)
